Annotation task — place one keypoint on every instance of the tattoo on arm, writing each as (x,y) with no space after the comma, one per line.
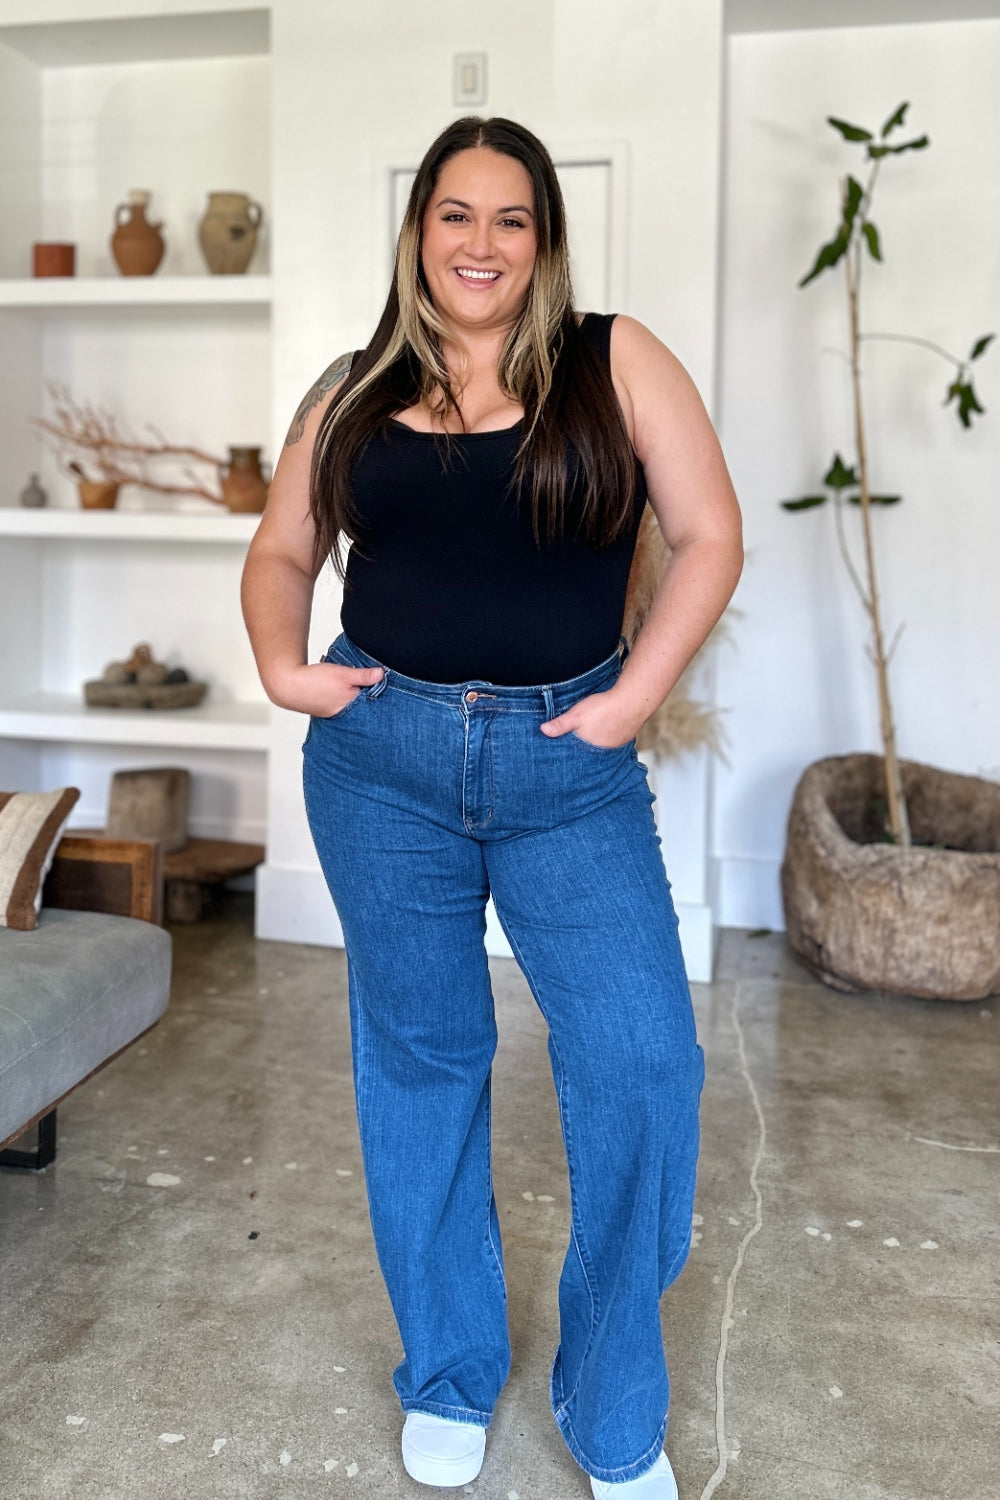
(329,378)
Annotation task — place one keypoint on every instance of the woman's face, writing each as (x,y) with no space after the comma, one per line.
(478,240)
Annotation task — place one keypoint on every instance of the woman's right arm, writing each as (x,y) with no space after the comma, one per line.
(281,570)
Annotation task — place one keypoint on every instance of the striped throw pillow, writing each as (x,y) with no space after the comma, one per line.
(31,824)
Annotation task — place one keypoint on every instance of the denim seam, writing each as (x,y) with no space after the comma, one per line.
(467,1414)
(578,739)
(575,1230)
(577,1234)
(497,1259)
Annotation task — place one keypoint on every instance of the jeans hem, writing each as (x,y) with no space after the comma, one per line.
(623,1472)
(465,1414)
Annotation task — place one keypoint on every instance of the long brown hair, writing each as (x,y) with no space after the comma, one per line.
(574,434)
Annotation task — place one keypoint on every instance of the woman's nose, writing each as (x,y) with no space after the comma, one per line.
(480,240)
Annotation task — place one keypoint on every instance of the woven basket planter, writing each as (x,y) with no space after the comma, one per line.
(867,915)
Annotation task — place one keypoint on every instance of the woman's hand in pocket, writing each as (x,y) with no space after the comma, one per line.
(601,719)
(322,689)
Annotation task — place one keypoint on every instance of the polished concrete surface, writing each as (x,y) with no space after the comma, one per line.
(190,1306)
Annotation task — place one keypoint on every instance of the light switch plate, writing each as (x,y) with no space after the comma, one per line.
(469,78)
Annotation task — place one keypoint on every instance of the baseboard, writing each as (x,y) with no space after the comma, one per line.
(748,893)
(294,906)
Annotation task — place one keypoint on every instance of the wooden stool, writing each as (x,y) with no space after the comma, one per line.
(190,872)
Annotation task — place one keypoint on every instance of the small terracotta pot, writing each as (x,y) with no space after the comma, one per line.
(53,259)
(97,495)
(244,488)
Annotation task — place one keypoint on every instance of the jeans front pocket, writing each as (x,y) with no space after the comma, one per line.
(598,749)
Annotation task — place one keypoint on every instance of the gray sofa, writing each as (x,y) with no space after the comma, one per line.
(89,981)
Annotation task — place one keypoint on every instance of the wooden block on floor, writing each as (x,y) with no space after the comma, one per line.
(190,873)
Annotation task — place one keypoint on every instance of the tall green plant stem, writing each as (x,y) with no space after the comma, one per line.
(899,822)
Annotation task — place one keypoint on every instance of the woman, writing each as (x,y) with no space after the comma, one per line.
(489,456)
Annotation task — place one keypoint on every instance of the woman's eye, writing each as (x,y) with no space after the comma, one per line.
(512,223)
(454,218)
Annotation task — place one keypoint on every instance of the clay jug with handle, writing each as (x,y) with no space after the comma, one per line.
(244,487)
(227,233)
(137,245)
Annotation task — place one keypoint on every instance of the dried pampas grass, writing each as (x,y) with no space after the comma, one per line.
(683,722)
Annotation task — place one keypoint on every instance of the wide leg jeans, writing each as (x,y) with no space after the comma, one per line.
(424,799)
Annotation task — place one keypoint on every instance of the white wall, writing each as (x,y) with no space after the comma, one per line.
(359,90)
(797,685)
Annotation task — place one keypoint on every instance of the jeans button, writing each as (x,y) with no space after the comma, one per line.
(471,697)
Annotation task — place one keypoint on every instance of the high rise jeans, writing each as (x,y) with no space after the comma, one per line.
(424,799)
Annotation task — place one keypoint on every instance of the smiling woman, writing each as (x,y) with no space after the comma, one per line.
(489,457)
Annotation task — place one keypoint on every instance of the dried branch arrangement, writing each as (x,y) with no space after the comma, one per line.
(88,444)
(683,722)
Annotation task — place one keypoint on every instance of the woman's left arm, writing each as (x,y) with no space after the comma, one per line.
(692,497)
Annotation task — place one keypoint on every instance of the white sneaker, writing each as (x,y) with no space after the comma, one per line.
(658,1483)
(436,1451)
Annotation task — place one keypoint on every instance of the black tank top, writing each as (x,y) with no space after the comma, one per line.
(450,585)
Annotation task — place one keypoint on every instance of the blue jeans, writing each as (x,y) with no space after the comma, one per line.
(424,799)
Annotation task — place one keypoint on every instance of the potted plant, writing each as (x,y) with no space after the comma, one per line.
(891,875)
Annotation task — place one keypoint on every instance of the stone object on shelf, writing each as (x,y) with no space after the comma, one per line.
(227,232)
(151,803)
(143,682)
(136,244)
(34,495)
(53,258)
(244,488)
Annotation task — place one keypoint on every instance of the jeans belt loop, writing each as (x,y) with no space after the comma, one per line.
(623,650)
(381,685)
(550,703)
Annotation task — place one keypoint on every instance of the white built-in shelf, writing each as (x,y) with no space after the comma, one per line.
(811,15)
(199,30)
(65,717)
(128,526)
(48,292)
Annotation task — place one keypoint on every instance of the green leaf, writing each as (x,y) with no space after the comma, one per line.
(806,503)
(849,132)
(872,240)
(829,255)
(875,499)
(981,345)
(919,144)
(852,200)
(894,120)
(874,152)
(962,392)
(838,476)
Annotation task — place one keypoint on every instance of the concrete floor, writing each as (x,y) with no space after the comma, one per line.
(190,1305)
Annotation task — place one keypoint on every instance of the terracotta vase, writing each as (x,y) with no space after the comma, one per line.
(97,494)
(227,233)
(244,487)
(137,245)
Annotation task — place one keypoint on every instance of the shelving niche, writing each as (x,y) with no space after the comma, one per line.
(177,104)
